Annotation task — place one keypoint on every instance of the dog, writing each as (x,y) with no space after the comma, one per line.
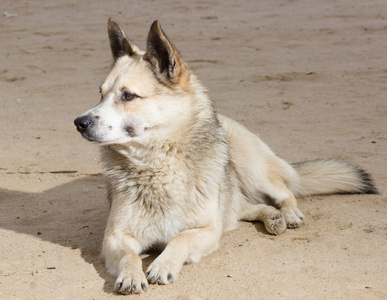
(179,174)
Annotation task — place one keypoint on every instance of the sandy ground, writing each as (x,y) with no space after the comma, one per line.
(308,76)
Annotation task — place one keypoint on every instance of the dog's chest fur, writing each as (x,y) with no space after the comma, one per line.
(155,192)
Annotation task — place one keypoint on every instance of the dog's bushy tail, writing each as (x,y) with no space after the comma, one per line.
(331,176)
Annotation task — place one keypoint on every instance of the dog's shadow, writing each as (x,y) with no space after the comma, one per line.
(72,215)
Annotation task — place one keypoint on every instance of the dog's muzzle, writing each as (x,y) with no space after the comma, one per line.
(83,123)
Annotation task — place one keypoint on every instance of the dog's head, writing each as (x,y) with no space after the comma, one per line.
(144,91)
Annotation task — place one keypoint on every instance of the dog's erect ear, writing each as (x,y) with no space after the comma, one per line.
(119,42)
(163,56)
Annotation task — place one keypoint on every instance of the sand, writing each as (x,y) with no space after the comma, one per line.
(308,76)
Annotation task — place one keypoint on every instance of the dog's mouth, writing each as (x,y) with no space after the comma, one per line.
(104,141)
(93,130)
(89,138)
(131,131)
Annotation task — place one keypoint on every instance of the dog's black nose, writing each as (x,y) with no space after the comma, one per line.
(82,123)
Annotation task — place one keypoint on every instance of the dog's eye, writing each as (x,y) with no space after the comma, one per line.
(128,96)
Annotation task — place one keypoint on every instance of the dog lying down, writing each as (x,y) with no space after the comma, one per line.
(179,174)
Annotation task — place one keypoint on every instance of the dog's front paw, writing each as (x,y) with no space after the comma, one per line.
(129,282)
(161,272)
(293,216)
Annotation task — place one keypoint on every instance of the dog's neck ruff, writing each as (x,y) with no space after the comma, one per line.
(153,154)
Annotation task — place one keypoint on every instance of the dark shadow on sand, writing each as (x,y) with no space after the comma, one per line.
(72,215)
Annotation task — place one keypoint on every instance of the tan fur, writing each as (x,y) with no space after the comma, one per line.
(178,174)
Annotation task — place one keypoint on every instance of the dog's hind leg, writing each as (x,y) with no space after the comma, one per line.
(261,174)
(277,193)
(271,217)
(278,196)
